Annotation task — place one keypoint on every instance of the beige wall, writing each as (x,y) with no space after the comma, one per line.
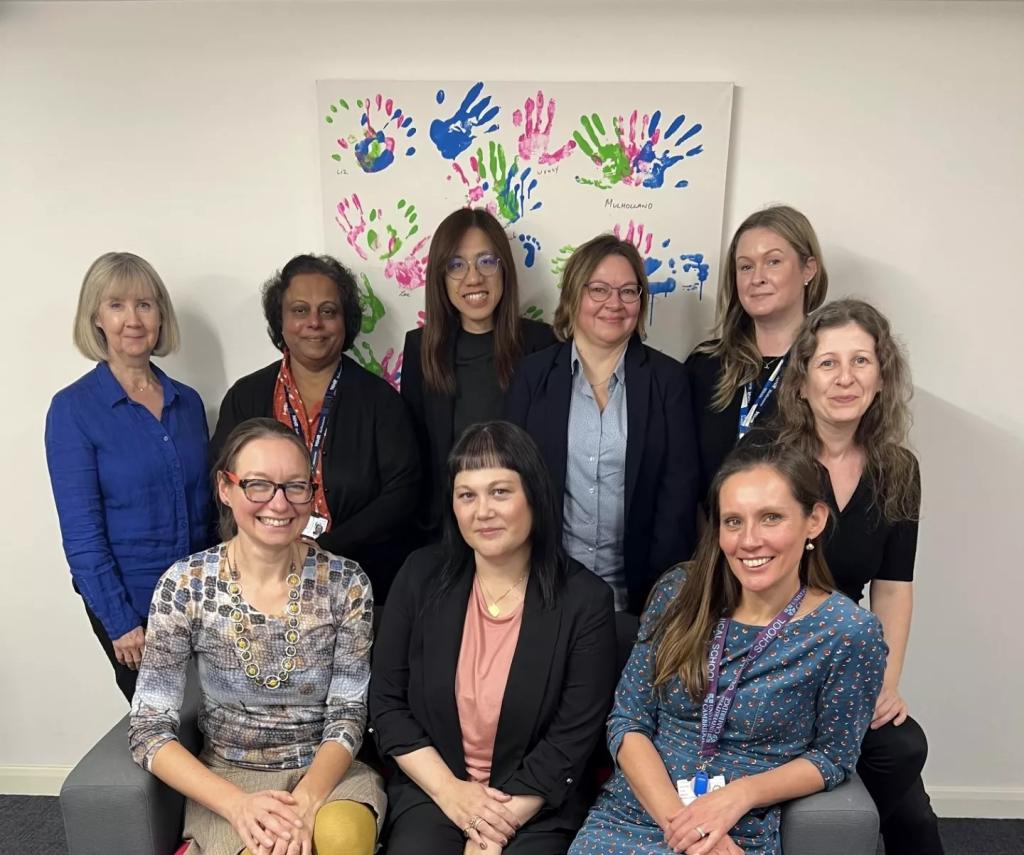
(185,132)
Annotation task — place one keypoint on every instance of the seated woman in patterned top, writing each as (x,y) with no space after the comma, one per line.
(752,682)
(282,633)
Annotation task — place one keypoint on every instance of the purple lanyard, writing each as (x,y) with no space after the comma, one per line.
(321,425)
(714,710)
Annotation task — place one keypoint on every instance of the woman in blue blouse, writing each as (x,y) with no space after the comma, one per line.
(126,450)
(752,682)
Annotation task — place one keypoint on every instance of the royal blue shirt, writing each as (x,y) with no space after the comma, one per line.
(132,493)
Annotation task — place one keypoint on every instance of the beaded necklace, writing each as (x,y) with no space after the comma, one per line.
(241,627)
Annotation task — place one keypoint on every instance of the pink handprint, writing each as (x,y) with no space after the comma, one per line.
(410,272)
(392,375)
(474,184)
(536,136)
(636,234)
(352,221)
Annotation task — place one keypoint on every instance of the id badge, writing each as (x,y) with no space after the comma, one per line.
(316,526)
(690,789)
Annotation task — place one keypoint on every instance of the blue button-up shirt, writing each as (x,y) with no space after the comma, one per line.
(594,508)
(132,493)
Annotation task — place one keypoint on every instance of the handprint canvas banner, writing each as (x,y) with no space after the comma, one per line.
(556,163)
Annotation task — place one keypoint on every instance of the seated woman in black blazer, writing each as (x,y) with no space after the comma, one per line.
(612,418)
(494,666)
(458,366)
(355,425)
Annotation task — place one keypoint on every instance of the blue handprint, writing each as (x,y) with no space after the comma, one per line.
(454,135)
(688,262)
(647,162)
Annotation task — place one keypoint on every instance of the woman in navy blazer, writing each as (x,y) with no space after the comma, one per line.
(126,450)
(613,421)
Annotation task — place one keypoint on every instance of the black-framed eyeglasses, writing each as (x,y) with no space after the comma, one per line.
(600,291)
(486,265)
(261,491)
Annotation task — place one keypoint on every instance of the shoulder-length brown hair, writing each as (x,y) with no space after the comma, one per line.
(736,345)
(578,270)
(711,591)
(882,433)
(442,319)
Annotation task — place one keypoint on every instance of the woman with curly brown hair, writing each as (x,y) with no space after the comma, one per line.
(844,402)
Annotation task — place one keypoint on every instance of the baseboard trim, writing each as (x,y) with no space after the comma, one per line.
(978,802)
(32,780)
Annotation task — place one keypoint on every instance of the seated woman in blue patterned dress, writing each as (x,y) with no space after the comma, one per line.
(751,638)
(281,630)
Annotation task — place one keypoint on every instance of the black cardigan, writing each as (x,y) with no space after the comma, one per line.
(662,472)
(432,414)
(371,467)
(559,689)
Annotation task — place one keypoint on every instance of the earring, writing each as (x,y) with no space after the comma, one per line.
(809,547)
(808,282)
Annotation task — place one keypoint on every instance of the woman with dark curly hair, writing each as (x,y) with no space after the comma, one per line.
(843,402)
(354,424)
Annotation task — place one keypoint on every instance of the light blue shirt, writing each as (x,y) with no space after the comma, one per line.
(594,509)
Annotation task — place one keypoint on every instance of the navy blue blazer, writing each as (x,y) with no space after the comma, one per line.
(662,467)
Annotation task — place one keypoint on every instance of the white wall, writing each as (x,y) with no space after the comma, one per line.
(186,133)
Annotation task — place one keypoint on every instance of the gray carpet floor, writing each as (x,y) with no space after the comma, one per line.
(32,825)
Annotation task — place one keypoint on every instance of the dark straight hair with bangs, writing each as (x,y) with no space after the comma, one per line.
(501,445)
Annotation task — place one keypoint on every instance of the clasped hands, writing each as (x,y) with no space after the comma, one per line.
(483,813)
(703,827)
(274,822)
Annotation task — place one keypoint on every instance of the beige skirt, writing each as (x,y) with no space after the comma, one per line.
(211,834)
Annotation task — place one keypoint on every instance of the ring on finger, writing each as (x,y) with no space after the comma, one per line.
(475,824)
(701,833)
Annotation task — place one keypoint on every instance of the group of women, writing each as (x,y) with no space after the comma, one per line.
(557,479)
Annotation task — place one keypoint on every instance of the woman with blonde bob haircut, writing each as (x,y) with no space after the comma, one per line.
(613,421)
(746,661)
(844,403)
(773,276)
(126,450)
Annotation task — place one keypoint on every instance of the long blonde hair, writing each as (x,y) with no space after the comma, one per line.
(891,468)
(711,591)
(735,343)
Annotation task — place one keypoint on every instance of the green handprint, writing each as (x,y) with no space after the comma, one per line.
(610,156)
(383,238)
(501,176)
(373,308)
(534,313)
(559,261)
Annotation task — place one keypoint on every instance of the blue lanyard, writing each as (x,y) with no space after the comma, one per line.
(748,413)
(321,425)
(714,710)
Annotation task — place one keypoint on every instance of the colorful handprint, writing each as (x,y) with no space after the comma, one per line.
(367,231)
(647,166)
(503,189)
(454,135)
(603,150)
(535,140)
(373,307)
(559,261)
(364,355)
(373,147)
(352,221)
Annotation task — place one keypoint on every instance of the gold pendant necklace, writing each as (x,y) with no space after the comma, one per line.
(492,608)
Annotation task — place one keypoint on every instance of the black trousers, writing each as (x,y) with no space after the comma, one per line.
(124,675)
(425,830)
(890,765)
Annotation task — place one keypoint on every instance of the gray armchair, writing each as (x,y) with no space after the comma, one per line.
(112,805)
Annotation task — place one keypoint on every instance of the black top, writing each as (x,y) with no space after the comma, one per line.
(661,452)
(559,689)
(434,414)
(716,431)
(478,395)
(371,466)
(860,545)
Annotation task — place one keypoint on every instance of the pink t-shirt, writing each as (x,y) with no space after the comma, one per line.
(488,644)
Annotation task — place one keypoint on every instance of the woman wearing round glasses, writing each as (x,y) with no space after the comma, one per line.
(612,418)
(358,432)
(281,630)
(457,368)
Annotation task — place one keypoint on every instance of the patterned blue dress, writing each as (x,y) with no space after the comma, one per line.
(811,694)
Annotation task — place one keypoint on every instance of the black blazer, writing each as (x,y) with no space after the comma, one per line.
(371,467)
(559,689)
(662,472)
(432,414)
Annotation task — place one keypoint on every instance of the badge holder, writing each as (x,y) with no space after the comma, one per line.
(316,526)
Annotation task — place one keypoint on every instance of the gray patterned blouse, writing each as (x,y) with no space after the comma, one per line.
(308,668)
